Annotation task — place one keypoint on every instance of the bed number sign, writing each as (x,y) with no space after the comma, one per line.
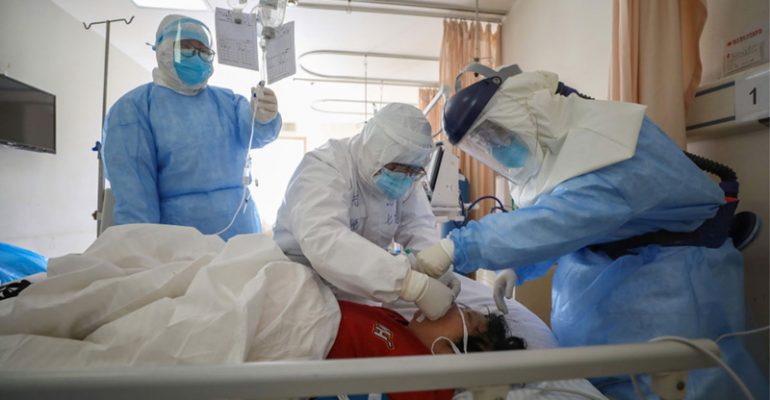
(752,100)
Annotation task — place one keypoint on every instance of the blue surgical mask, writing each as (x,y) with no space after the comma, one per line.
(193,70)
(394,185)
(513,155)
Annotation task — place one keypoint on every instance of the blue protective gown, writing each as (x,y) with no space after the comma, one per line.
(694,292)
(176,159)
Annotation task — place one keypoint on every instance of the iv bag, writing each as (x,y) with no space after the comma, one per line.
(271,12)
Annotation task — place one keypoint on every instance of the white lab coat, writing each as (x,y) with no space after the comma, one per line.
(335,219)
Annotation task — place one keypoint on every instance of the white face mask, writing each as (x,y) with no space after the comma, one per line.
(451,343)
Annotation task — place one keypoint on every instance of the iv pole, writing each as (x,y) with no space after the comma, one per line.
(97,215)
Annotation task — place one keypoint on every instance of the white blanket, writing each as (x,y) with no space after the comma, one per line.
(167,295)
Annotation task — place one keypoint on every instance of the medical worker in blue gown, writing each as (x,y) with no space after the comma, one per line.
(175,149)
(587,173)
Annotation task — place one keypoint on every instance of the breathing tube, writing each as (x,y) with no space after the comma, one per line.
(711,234)
(729,181)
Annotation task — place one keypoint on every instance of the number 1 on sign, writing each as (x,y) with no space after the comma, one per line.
(754,105)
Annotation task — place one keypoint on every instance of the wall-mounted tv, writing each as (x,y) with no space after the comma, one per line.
(27,116)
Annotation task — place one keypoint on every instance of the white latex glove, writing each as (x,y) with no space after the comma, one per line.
(436,260)
(450,280)
(431,296)
(504,284)
(264,104)
(412,259)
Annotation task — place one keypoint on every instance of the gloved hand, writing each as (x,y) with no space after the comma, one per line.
(264,104)
(431,296)
(436,260)
(450,280)
(504,284)
(412,259)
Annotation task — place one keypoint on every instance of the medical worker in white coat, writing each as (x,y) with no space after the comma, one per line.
(349,199)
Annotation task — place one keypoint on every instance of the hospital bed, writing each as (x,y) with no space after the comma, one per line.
(543,371)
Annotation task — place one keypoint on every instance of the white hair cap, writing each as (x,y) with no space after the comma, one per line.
(398,133)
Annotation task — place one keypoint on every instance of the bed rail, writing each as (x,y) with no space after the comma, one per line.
(292,379)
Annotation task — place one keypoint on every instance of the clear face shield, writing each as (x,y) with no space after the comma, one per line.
(510,154)
(184,47)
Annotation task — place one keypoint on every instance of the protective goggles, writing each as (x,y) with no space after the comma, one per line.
(191,47)
(413,172)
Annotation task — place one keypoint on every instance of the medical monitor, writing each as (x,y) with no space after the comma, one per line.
(443,173)
(27,116)
(431,171)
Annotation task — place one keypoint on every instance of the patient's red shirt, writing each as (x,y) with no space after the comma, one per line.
(367,331)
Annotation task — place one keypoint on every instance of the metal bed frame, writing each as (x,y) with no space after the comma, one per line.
(488,375)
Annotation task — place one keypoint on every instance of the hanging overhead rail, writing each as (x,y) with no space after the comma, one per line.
(366,79)
(404,7)
(317,77)
(318,105)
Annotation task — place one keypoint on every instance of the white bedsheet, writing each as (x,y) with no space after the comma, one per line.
(166,295)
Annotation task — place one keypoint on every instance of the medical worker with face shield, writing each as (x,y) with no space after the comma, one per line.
(175,149)
(587,174)
(351,198)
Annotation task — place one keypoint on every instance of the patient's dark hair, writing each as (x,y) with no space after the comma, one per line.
(495,338)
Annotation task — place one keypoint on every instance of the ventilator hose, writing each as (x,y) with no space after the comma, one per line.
(722,171)
(467,212)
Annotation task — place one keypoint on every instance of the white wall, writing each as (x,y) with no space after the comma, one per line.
(746,153)
(574,39)
(727,20)
(571,38)
(46,200)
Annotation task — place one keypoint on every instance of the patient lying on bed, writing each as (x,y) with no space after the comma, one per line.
(150,295)
(367,331)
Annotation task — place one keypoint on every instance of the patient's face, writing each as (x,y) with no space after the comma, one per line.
(449,326)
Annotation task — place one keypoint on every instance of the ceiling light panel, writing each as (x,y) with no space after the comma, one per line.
(190,5)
